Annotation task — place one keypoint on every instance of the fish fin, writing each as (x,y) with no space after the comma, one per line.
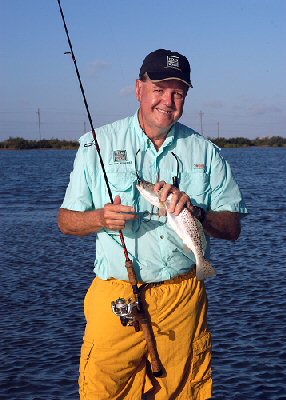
(204,270)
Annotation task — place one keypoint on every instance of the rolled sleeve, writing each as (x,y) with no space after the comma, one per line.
(225,195)
(78,196)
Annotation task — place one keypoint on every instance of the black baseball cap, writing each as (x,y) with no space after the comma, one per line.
(161,65)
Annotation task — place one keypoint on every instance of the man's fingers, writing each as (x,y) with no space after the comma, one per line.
(115,225)
(121,215)
(115,215)
(166,189)
(159,185)
(178,202)
(180,205)
(118,208)
(117,221)
(179,199)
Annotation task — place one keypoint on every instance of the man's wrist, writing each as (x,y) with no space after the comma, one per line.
(200,214)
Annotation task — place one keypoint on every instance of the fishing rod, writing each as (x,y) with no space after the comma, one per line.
(130,313)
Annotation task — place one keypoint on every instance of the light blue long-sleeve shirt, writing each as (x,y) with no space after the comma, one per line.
(157,252)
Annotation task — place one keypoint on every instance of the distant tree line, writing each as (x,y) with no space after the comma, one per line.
(18,143)
(269,141)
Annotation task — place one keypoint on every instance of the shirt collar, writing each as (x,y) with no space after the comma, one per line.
(139,131)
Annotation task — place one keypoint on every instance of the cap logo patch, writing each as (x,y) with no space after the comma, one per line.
(173,62)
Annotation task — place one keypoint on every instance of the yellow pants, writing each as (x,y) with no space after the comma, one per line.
(114,362)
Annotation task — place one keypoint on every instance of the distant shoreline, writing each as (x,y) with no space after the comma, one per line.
(38,148)
(19,143)
(73,148)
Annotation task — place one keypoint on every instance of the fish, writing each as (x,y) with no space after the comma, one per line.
(186,226)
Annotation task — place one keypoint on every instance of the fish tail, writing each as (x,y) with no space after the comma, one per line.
(204,270)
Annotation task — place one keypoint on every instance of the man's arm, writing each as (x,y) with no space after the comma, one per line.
(218,224)
(222,224)
(112,216)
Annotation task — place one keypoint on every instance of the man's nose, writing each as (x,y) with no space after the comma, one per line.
(168,98)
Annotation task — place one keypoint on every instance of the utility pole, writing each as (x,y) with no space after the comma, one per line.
(201,117)
(39,120)
(218,130)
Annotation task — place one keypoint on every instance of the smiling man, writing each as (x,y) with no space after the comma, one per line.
(152,143)
(161,105)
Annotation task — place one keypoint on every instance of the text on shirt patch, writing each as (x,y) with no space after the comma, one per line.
(173,62)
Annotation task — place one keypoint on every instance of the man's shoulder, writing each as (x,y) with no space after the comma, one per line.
(107,130)
(116,126)
(193,137)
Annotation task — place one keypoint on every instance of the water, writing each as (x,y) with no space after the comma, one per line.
(44,276)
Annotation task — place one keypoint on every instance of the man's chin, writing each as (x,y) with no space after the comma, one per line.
(165,124)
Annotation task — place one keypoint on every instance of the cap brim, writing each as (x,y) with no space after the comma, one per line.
(154,77)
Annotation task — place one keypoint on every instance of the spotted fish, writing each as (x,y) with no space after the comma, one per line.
(186,226)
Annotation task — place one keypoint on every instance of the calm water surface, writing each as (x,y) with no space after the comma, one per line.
(44,276)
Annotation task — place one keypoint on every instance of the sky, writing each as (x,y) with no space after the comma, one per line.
(235,48)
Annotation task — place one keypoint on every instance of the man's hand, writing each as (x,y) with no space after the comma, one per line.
(218,224)
(114,216)
(179,199)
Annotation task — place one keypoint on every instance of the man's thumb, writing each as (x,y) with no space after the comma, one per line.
(117,200)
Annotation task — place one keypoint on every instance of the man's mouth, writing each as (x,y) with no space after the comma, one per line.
(164,111)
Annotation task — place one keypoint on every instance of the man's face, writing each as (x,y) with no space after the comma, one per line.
(161,104)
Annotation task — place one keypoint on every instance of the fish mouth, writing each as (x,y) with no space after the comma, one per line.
(148,186)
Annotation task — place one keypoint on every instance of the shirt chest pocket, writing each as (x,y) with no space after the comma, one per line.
(196,184)
(123,184)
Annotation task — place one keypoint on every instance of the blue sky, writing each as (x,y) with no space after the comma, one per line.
(236,49)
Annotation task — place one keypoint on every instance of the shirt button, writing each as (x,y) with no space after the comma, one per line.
(161,237)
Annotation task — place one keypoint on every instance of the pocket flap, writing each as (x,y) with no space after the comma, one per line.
(121,181)
(202,343)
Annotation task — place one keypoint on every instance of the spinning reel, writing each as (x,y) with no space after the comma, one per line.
(124,309)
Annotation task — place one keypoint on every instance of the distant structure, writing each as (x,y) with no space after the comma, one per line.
(39,121)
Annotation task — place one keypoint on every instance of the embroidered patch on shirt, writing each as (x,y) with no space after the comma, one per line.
(120,156)
(200,166)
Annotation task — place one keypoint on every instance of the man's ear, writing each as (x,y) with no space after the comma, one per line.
(138,89)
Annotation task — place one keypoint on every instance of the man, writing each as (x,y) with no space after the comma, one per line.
(155,145)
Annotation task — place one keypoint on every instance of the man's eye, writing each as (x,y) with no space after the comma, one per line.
(179,95)
(158,90)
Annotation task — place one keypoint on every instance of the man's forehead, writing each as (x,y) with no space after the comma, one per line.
(170,83)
